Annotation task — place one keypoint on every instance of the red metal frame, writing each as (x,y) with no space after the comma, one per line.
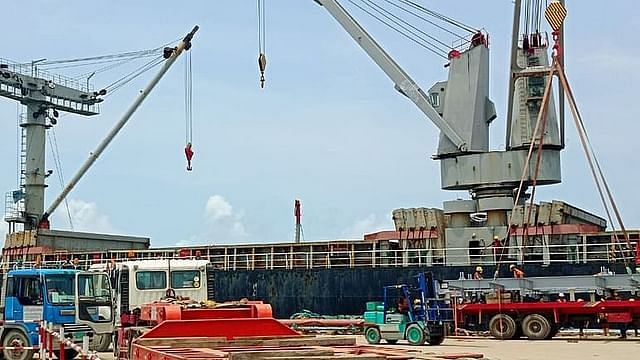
(158,312)
(227,328)
(559,310)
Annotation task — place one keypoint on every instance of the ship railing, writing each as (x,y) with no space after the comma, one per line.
(352,256)
(545,255)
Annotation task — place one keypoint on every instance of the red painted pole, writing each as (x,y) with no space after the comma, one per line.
(61,355)
(50,340)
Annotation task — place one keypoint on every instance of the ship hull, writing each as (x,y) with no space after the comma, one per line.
(346,290)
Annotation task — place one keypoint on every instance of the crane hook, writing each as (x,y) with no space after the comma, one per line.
(262,64)
(188,152)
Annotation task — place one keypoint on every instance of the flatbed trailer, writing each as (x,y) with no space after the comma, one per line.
(543,320)
(166,319)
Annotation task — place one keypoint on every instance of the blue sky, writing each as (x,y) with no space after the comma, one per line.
(329,128)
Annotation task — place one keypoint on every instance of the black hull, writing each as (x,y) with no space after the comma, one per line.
(346,290)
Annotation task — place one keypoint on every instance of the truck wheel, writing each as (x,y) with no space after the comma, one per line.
(502,327)
(555,329)
(16,338)
(372,334)
(435,340)
(415,335)
(536,327)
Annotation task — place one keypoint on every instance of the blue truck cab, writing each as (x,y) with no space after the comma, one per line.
(79,301)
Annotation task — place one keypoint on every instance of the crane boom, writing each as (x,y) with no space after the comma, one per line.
(171,54)
(403,82)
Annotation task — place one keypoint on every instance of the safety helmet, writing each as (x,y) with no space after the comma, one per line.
(561,294)
(511,267)
(496,237)
(479,268)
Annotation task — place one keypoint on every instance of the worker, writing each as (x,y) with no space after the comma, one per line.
(417,305)
(517,273)
(76,263)
(403,305)
(497,249)
(561,298)
(477,275)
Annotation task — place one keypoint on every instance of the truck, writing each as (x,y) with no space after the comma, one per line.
(420,314)
(537,307)
(138,282)
(78,301)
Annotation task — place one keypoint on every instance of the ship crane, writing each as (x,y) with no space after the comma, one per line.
(44,97)
(460,108)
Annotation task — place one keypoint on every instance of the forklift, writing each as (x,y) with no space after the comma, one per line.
(418,314)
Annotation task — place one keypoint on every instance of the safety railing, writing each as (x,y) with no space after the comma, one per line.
(354,257)
(52,341)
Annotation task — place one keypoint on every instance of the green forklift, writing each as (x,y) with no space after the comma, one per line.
(419,314)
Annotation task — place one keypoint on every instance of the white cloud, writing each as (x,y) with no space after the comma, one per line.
(224,225)
(217,207)
(371,223)
(85,217)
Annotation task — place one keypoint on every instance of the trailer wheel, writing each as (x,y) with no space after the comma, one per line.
(536,327)
(372,334)
(555,329)
(502,327)
(415,334)
(16,338)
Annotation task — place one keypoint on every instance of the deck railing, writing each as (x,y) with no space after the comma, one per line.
(351,257)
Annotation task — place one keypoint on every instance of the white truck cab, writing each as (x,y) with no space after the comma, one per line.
(137,282)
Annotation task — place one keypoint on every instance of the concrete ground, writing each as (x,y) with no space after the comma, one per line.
(565,348)
(561,348)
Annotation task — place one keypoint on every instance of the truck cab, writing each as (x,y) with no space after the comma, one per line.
(78,301)
(137,282)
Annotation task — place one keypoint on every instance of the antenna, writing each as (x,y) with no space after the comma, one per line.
(297,212)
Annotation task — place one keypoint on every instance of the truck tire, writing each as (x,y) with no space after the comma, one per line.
(372,334)
(17,338)
(536,327)
(502,326)
(100,342)
(415,335)
(555,329)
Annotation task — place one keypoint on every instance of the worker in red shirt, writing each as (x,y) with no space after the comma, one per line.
(517,273)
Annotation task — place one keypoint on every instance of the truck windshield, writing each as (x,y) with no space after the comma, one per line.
(60,289)
(94,286)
